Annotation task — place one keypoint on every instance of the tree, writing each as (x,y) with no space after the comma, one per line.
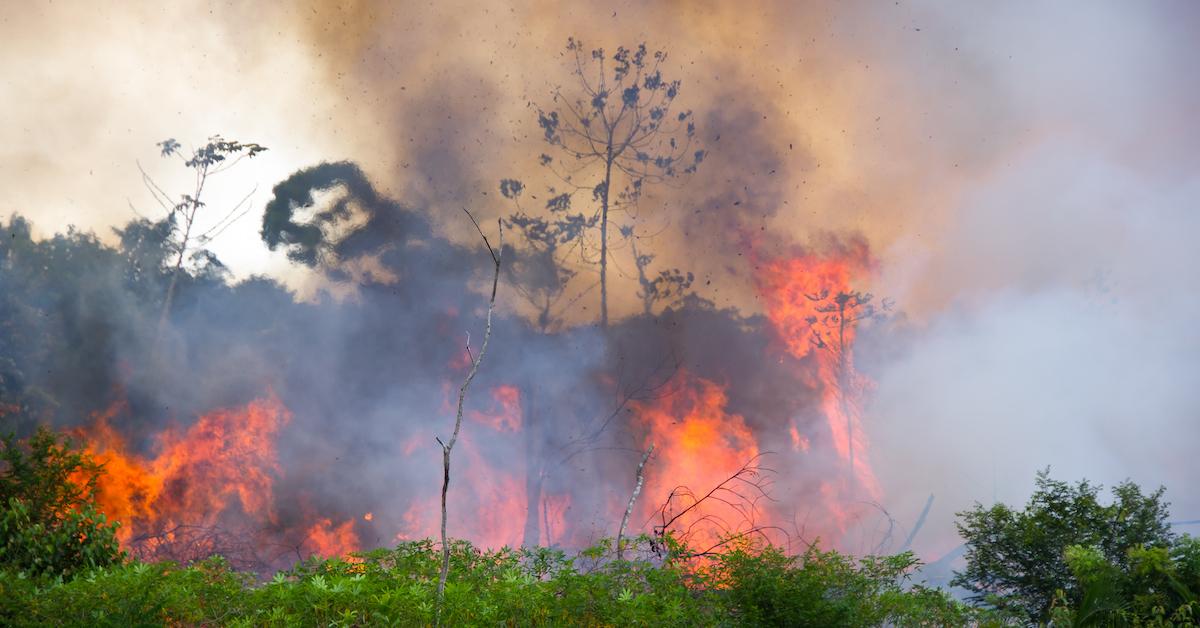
(539,274)
(837,314)
(668,286)
(616,131)
(1017,559)
(447,446)
(49,523)
(206,161)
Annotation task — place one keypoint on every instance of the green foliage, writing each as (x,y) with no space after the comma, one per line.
(49,524)
(135,594)
(1158,588)
(531,587)
(771,588)
(1069,558)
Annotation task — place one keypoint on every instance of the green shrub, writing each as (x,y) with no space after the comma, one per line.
(767,587)
(135,594)
(1017,559)
(534,587)
(49,524)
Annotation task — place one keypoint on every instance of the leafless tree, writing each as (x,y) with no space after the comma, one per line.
(216,156)
(476,360)
(637,489)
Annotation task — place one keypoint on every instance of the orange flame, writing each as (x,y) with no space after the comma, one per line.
(504,415)
(808,301)
(698,446)
(489,496)
(226,459)
(326,539)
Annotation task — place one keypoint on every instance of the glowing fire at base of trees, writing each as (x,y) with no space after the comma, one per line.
(220,473)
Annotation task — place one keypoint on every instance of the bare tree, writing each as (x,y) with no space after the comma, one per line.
(637,490)
(476,360)
(205,161)
(617,133)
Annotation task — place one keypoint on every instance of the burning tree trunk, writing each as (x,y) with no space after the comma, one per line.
(447,446)
(839,315)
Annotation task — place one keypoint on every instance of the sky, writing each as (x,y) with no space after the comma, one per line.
(1025,173)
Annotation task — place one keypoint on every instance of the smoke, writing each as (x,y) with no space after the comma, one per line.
(1071,344)
(1025,175)
(1051,314)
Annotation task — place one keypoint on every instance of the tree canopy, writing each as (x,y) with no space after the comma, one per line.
(1019,559)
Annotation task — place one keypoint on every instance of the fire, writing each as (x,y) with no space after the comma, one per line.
(698,446)
(226,460)
(488,502)
(504,415)
(326,539)
(814,310)
(487,493)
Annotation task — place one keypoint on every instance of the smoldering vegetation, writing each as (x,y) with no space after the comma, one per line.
(369,377)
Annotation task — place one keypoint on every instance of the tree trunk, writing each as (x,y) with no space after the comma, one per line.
(533,473)
(843,382)
(458,416)
(170,296)
(604,237)
(637,490)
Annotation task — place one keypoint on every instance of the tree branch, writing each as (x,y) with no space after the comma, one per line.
(496,254)
(637,489)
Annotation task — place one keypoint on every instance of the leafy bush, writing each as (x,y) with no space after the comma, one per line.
(533,587)
(49,524)
(135,594)
(770,588)
(1017,559)
(1158,589)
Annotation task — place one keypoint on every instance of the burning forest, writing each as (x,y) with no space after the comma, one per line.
(229,435)
(311,427)
(778,281)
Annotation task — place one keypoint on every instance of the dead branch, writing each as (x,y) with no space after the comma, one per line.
(637,489)
(908,541)
(741,492)
(496,254)
(188,544)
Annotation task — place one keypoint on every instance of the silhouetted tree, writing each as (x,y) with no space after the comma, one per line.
(838,313)
(615,132)
(668,286)
(539,272)
(205,161)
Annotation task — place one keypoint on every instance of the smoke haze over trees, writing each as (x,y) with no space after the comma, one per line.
(1031,211)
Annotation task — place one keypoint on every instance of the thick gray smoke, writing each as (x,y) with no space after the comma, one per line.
(1056,298)
(1026,175)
